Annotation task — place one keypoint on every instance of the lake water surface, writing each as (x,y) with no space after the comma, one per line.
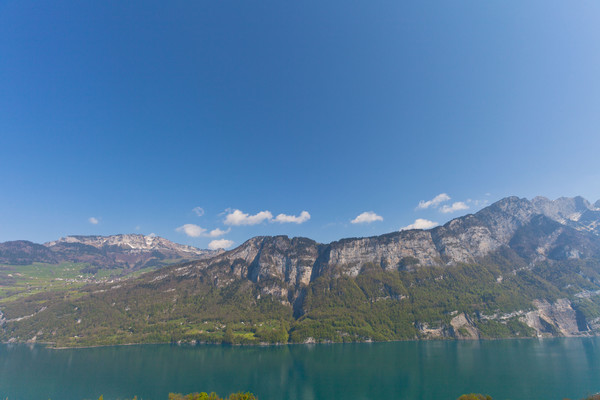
(505,369)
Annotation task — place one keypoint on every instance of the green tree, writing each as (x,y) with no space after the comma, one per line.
(284,329)
(228,337)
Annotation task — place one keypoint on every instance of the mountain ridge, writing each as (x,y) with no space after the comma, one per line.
(515,268)
(132,251)
(132,241)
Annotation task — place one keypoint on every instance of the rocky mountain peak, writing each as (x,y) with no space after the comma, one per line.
(575,212)
(562,209)
(128,242)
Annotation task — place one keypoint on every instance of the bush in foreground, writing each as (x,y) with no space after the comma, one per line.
(475,396)
(211,396)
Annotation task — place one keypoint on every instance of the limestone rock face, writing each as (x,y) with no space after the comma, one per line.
(575,212)
(428,332)
(562,209)
(464,328)
(468,238)
(390,251)
(505,216)
(279,257)
(514,223)
(559,318)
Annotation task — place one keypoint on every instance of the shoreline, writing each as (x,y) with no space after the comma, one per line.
(49,345)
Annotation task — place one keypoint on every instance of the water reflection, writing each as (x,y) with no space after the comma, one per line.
(515,369)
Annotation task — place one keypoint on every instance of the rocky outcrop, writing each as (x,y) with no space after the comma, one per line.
(466,239)
(464,328)
(461,326)
(575,212)
(440,332)
(544,238)
(562,209)
(555,319)
(279,257)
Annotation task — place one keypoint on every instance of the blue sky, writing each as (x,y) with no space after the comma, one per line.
(133,114)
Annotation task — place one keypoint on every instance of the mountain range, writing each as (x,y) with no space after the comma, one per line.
(102,252)
(517,268)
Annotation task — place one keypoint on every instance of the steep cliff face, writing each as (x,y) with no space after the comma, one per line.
(392,251)
(462,240)
(512,223)
(466,239)
(543,238)
(286,260)
(555,319)
(297,262)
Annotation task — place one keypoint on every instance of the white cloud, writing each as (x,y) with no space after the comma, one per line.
(93,221)
(217,232)
(152,235)
(191,230)
(303,217)
(220,244)
(436,201)
(366,218)
(237,217)
(457,206)
(420,223)
(194,230)
(199,211)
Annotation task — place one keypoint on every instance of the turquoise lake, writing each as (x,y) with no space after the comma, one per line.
(504,369)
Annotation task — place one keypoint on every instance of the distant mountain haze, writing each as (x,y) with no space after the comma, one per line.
(126,251)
